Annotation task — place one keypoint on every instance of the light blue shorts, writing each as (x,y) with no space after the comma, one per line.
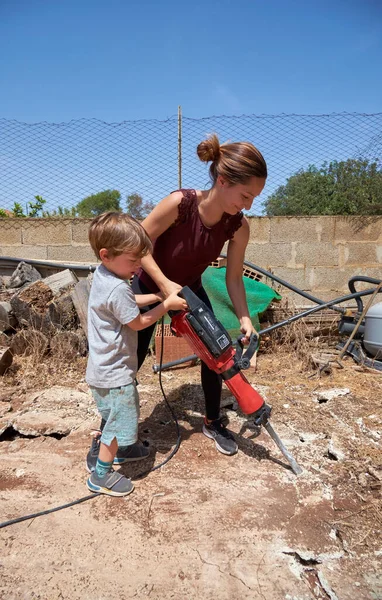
(119,407)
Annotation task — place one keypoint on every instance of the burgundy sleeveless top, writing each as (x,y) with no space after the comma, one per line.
(187,247)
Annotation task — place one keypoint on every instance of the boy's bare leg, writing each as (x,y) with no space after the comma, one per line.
(107,453)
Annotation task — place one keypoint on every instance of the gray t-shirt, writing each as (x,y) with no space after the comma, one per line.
(112,344)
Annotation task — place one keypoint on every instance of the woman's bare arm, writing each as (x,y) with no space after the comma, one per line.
(234,277)
(157,222)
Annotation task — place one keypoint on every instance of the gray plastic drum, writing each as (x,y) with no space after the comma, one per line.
(373,331)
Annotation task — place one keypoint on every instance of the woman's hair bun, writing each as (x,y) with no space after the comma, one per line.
(209,149)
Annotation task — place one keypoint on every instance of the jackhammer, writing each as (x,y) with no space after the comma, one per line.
(212,343)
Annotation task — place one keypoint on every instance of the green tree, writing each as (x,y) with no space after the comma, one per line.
(94,205)
(137,208)
(351,187)
(34,208)
(61,211)
(3,213)
(18,210)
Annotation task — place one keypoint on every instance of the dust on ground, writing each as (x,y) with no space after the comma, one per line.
(204,525)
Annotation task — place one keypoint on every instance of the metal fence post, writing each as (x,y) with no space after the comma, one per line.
(179,147)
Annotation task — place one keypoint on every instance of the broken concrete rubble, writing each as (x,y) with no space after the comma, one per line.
(23,274)
(56,411)
(35,311)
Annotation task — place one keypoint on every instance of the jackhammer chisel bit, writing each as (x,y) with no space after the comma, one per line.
(261,417)
(297,470)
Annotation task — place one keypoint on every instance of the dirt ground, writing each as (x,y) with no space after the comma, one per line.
(204,525)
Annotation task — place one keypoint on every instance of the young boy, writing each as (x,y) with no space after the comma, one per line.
(120,242)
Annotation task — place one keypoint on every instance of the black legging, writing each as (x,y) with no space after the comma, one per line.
(211,381)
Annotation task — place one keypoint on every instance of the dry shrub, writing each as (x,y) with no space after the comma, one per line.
(27,373)
(29,342)
(291,338)
(68,344)
(4,340)
(303,336)
(34,366)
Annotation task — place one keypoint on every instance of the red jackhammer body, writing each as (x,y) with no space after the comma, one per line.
(249,400)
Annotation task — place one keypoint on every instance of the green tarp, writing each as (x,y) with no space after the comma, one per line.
(259,296)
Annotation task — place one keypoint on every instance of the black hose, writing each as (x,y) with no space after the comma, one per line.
(49,264)
(176,447)
(316,309)
(365,279)
(321,305)
(161,367)
(290,286)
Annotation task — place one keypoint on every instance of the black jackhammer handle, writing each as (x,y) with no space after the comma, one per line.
(297,470)
(245,359)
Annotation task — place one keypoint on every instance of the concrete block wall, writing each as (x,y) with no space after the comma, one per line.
(61,240)
(317,254)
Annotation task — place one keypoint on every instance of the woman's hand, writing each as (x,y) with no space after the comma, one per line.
(168,288)
(247,329)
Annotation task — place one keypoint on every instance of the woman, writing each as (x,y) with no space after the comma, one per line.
(188,229)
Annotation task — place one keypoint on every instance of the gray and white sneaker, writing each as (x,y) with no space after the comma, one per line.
(224,440)
(137,451)
(125,454)
(92,455)
(113,484)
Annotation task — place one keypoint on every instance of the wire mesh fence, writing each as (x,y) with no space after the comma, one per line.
(67,162)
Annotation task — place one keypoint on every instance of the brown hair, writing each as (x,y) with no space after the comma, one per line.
(118,233)
(237,162)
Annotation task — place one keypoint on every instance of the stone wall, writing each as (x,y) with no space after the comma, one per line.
(317,254)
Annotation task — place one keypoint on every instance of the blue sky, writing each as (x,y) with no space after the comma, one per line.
(123,60)
(127,60)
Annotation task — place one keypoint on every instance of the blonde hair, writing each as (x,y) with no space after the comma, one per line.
(118,233)
(237,162)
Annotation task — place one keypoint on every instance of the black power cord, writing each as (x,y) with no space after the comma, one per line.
(176,447)
(96,495)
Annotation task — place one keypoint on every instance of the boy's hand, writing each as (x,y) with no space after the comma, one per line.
(175,302)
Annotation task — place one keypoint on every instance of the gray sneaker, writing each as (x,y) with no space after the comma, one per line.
(131,453)
(92,455)
(137,451)
(224,440)
(113,484)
